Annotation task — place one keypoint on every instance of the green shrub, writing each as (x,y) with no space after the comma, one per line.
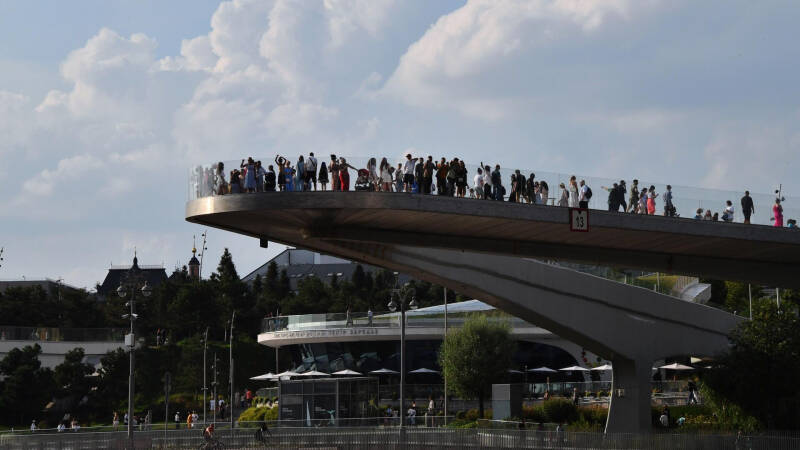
(472,414)
(255,414)
(463,423)
(534,413)
(560,411)
(593,415)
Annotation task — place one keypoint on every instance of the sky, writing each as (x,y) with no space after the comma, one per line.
(104,105)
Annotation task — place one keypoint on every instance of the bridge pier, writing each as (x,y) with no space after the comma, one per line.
(629,409)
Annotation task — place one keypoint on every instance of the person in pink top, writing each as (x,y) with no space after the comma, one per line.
(777,211)
(651,201)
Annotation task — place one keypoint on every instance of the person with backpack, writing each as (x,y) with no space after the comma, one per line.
(585,195)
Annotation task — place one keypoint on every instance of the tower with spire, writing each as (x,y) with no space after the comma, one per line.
(194,264)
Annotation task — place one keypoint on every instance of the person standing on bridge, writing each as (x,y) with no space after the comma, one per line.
(563,199)
(777,212)
(478,183)
(621,195)
(669,208)
(408,172)
(613,199)
(497,183)
(651,201)
(333,171)
(573,192)
(427,175)
(633,200)
(747,206)
(585,196)
(386,175)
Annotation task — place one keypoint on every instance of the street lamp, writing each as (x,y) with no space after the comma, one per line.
(402,294)
(132,283)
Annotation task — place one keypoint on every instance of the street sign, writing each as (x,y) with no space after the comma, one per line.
(578,219)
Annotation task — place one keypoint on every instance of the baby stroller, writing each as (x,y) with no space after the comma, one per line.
(363,182)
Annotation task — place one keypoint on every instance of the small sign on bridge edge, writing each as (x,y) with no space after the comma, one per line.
(578,219)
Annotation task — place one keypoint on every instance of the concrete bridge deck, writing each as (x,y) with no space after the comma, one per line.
(730,251)
(473,247)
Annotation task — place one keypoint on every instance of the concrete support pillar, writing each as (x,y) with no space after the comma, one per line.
(629,411)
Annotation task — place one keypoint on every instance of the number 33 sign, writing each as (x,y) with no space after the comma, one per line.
(578,219)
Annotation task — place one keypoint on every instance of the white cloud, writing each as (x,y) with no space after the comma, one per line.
(456,63)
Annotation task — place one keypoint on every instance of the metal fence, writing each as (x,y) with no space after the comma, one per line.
(47,334)
(409,438)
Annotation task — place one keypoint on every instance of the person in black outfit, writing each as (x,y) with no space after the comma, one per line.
(621,188)
(270,179)
(747,206)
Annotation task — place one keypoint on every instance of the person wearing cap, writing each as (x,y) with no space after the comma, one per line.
(408,172)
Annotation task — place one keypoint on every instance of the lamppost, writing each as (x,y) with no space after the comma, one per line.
(230,366)
(132,282)
(205,371)
(401,294)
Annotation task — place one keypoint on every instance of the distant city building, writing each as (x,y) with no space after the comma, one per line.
(300,264)
(154,275)
(52,287)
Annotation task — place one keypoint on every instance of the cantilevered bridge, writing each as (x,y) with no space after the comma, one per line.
(475,247)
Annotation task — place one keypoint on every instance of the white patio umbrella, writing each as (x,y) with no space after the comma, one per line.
(574,369)
(384,372)
(423,370)
(287,374)
(543,370)
(266,376)
(313,373)
(676,366)
(514,371)
(347,372)
(604,367)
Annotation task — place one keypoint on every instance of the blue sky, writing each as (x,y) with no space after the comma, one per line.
(104,104)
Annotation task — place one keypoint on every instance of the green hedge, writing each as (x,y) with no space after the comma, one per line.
(558,410)
(255,414)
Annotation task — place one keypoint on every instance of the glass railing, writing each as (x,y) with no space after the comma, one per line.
(305,322)
(205,181)
(45,334)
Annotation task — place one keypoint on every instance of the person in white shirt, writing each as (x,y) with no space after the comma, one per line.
(408,172)
(478,183)
(33,426)
(583,201)
(311,170)
(728,215)
(61,427)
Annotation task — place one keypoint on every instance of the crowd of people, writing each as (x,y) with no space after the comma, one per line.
(450,178)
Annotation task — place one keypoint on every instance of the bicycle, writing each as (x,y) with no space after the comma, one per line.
(212,444)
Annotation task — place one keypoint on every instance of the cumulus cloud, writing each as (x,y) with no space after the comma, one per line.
(474,59)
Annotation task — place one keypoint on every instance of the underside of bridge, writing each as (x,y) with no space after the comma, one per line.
(627,325)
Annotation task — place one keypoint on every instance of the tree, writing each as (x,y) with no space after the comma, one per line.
(477,355)
(26,386)
(764,353)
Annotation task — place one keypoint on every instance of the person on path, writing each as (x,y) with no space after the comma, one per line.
(585,195)
(643,202)
(747,206)
(669,208)
(728,213)
(633,200)
(333,170)
(344,174)
(408,172)
(323,176)
(497,183)
(613,200)
(621,195)
(777,212)
(249,174)
(398,178)
(311,171)
(573,192)
(563,200)
(651,201)
(478,183)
